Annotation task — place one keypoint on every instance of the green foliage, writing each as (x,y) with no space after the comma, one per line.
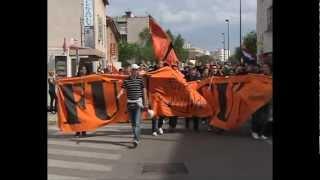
(142,52)
(127,52)
(250,41)
(205,59)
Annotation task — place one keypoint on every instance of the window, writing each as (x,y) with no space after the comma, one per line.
(100,29)
(269,19)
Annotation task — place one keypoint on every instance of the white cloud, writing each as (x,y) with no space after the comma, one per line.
(196,20)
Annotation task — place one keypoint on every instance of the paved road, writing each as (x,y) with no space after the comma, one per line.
(108,154)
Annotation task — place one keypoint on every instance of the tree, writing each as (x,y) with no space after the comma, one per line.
(182,53)
(128,52)
(170,35)
(205,59)
(144,36)
(146,48)
(142,52)
(250,41)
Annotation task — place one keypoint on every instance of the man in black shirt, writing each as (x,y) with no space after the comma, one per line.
(136,90)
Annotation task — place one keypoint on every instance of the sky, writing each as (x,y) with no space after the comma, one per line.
(200,22)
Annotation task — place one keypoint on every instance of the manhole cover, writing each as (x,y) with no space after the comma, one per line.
(164,168)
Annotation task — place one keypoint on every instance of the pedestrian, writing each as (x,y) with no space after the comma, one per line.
(52,92)
(136,96)
(173,121)
(240,70)
(83,71)
(142,70)
(205,74)
(261,122)
(193,76)
(157,128)
(215,72)
(186,71)
(121,72)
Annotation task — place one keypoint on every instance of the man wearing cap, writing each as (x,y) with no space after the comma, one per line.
(136,90)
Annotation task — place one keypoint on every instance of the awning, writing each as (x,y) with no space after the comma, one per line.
(94,53)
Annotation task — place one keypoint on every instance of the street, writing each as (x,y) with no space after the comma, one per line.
(108,154)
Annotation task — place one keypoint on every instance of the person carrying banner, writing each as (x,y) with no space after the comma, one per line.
(136,96)
(173,120)
(193,77)
(83,71)
(261,119)
(52,93)
(157,128)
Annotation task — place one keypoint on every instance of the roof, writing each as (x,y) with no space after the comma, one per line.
(113,26)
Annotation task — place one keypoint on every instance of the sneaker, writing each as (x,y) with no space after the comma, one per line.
(77,135)
(154,134)
(135,143)
(160,131)
(218,130)
(255,135)
(264,137)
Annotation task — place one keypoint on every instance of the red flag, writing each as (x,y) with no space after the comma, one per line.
(162,44)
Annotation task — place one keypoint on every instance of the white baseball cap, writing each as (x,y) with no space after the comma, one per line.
(135,66)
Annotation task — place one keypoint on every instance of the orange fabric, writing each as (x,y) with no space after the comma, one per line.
(70,93)
(243,96)
(86,103)
(162,44)
(171,95)
(85,114)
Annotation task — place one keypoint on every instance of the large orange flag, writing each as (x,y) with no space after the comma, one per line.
(162,44)
(234,99)
(86,103)
(170,95)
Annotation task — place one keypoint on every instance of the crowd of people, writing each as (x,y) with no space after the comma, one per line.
(135,90)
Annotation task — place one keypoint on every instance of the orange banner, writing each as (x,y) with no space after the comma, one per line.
(171,95)
(234,99)
(162,44)
(86,103)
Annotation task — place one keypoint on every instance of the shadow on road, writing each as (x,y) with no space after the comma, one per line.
(127,144)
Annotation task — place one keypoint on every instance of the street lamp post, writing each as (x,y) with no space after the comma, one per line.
(240,30)
(227,21)
(224,45)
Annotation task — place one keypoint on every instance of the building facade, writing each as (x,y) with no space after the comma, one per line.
(113,38)
(221,54)
(264,30)
(84,21)
(130,26)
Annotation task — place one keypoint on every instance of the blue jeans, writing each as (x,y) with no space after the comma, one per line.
(155,128)
(135,117)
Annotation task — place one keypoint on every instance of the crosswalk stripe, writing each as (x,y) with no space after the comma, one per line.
(78,165)
(123,138)
(84,154)
(59,177)
(83,144)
